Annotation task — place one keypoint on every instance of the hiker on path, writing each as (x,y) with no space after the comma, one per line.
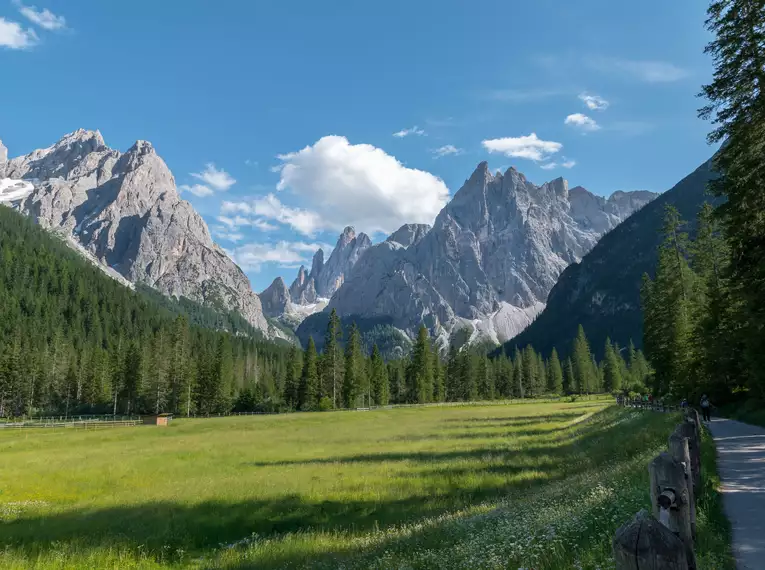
(705,407)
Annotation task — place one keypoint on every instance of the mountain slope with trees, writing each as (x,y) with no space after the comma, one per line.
(602,291)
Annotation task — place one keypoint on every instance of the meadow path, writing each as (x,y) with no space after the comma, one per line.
(741,463)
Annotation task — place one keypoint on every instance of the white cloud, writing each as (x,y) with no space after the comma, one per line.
(43,18)
(241,221)
(594,102)
(567,163)
(271,208)
(582,122)
(406,132)
(252,256)
(226,234)
(13,36)
(197,189)
(646,71)
(446,150)
(530,147)
(217,179)
(360,185)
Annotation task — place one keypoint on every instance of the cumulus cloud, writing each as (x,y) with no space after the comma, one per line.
(548,166)
(43,18)
(582,122)
(530,147)
(242,221)
(226,234)
(569,164)
(271,208)
(446,150)
(640,70)
(13,36)
(197,189)
(594,102)
(216,179)
(415,130)
(252,256)
(360,185)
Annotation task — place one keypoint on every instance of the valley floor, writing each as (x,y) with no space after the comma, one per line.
(484,486)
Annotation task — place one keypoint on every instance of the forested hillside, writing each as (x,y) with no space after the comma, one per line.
(72,339)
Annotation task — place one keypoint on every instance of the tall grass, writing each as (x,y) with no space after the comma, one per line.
(514,486)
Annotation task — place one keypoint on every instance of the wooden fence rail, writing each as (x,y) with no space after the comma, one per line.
(664,539)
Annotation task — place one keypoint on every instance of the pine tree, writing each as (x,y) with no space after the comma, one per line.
(293,378)
(352,379)
(555,374)
(530,371)
(439,381)
(308,398)
(518,367)
(485,378)
(379,379)
(420,371)
(582,362)
(612,375)
(453,381)
(569,379)
(332,367)
(735,105)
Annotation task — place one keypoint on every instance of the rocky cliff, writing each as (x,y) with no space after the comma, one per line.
(125,210)
(490,260)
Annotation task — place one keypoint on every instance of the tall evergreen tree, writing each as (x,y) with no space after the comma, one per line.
(379,379)
(308,398)
(736,106)
(555,374)
(518,368)
(420,370)
(569,378)
(584,373)
(332,363)
(353,380)
(612,376)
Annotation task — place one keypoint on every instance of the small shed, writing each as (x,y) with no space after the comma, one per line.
(157,420)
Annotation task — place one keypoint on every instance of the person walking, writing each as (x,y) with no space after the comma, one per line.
(705,407)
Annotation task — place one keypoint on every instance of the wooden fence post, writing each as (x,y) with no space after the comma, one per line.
(678,449)
(645,544)
(688,429)
(671,500)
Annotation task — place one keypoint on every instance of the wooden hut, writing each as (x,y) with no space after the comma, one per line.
(157,420)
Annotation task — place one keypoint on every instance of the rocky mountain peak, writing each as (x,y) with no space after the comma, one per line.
(492,256)
(275,299)
(124,210)
(409,234)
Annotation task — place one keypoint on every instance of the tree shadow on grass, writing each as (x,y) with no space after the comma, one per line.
(198,528)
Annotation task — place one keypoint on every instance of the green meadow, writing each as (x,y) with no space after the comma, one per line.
(482,486)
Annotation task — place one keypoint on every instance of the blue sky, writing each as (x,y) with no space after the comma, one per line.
(279,118)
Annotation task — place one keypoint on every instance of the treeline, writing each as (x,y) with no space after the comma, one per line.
(704,311)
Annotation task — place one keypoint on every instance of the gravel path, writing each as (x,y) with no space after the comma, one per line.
(741,463)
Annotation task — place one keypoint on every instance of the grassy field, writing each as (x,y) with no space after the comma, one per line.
(495,486)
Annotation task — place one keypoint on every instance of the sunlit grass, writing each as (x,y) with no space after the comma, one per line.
(531,485)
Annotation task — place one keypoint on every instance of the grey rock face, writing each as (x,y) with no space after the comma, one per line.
(3,159)
(125,210)
(409,234)
(276,299)
(326,278)
(492,256)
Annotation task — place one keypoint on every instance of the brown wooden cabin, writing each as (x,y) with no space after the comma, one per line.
(157,420)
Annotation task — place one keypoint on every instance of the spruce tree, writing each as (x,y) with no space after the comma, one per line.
(518,368)
(420,371)
(332,365)
(582,362)
(352,379)
(612,376)
(379,379)
(555,374)
(308,398)
(569,378)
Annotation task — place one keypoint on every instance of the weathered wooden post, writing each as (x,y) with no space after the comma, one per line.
(678,449)
(646,544)
(688,429)
(671,500)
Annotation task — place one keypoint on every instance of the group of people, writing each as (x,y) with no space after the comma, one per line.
(704,404)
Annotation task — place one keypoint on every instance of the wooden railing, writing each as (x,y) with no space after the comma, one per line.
(664,539)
